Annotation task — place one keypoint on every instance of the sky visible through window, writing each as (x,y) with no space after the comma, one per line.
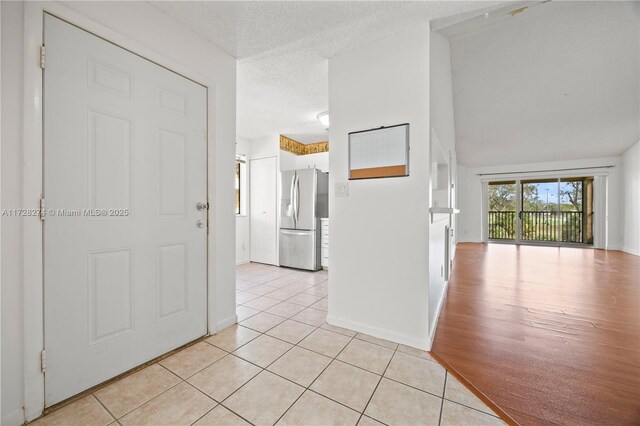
(552,188)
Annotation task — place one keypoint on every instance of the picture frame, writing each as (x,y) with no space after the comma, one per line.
(377,153)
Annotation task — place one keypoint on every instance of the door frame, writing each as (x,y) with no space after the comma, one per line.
(600,189)
(32,186)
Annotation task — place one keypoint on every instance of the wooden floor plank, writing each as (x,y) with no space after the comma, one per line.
(550,335)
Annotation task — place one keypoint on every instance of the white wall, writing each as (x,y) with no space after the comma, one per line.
(631,197)
(11,196)
(378,280)
(268,146)
(289,161)
(470,196)
(469,199)
(142,26)
(442,123)
(243,222)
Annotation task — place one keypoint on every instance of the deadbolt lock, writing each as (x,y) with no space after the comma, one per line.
(202,205)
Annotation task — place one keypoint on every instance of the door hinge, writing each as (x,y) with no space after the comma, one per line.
(43,361)
(43,57)
(42,207)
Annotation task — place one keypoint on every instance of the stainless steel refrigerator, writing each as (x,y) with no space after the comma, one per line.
(304,200)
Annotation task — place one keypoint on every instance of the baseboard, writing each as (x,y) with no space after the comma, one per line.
(624,249)
(226,323)
(432,334)
(631,251)
(379,332)
(15,418)
(469,241)
(242,261)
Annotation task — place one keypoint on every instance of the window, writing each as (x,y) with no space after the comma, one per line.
(553,210)
(241,185)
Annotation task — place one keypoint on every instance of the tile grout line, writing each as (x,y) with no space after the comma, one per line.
(308,387)
(282,301)
(471,408)
(285,378)
(293,345)
(226,354)
(397,345)
(320,326)
(291,381)
(413,387)
(285,319)
(320,353)
(261,333)
(180,380)
(161,393)
(317,377)
(444,389)
(104,406)
(378,384)
(335,358)
(262,369)
(204,415)
(382,376)
(217,403)
(280,288)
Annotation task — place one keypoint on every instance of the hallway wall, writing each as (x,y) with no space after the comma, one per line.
(378,279)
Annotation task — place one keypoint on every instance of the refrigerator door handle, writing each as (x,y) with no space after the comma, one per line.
(293,232)
(297,194)
(292,200)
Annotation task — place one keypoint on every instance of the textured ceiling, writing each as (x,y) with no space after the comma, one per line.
(282,49)
(559,80)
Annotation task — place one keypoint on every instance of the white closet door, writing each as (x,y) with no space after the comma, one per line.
(126,137)
(263,210)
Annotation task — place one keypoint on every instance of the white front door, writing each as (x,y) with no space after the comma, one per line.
(124,244)
(263,191)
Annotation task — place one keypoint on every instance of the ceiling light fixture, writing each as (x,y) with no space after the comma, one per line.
(323,117)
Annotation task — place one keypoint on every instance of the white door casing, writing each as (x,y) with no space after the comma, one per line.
(121,133)
(264,226)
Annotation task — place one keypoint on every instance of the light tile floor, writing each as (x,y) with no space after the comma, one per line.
(283,364)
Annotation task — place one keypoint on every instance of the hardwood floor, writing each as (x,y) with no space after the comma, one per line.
(550,335)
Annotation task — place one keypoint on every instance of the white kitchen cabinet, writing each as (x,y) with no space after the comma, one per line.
(325,243)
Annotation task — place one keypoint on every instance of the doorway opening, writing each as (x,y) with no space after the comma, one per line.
(555,211)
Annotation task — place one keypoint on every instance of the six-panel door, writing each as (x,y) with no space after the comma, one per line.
(124,245)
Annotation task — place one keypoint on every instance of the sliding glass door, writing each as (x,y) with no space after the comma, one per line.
(503,205)
(541,211)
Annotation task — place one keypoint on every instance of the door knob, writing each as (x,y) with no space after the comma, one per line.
(202,205)
(200,223)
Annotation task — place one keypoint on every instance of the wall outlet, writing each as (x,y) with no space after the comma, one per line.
(342,189)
